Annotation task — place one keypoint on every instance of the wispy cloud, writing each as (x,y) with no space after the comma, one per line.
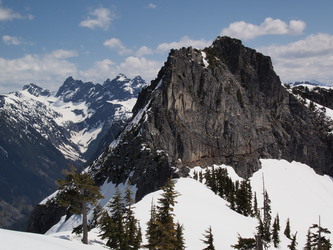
(46,69)
(144,50)
(117,45)
(7,14)
(98,18)
(152,6)
(307,59)
(131,67)
(270,26)
(11,40)
(183,42)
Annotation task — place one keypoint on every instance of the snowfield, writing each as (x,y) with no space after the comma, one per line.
(295,190)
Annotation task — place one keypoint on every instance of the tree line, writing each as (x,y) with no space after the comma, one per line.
(241,199)
(121,230)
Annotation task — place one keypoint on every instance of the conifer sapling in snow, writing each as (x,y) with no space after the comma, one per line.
(208,239)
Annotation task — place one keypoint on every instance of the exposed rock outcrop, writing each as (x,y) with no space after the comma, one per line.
(224,104)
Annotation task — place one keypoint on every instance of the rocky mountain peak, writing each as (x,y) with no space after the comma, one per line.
(224,104)
(35,90)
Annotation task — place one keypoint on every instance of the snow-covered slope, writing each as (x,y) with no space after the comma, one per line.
(12,240)
(296,192)
(71,118)
(42,132)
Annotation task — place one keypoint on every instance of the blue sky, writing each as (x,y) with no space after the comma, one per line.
(44,41)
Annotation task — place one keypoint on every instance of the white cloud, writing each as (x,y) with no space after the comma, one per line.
(184,42)
(47,69)
(100,71)
(270,26)
(117,45)
(307,59)
(152,6)
(144,50)
(133,66)
(9,15)
(11,40)
(98,18)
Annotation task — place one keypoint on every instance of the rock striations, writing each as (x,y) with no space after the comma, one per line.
(224,104)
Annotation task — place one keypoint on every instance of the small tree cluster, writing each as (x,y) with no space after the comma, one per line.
(238,194)
(162,231)
(316,238)
(119,226)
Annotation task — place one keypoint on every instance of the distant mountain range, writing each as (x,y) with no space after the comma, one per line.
(42,133)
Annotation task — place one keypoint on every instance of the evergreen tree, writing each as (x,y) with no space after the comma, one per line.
(208,239)
(266,236)
(245,243)
(165,216)
(287,230)
(180,241)
(317,239)
(76,192)
(121,228)
(275,232)
(308,245)
(162,231)
(152,230)
(244,198)
(293,243)
(133,237)
(113,230)
(255,209)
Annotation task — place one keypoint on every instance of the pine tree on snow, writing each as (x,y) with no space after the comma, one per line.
(275,231)
(293,243)
(77,191)
(287,230)
(208,239)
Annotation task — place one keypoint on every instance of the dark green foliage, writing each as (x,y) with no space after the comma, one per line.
(152,229)
(208,239)
(75,193)
(308,244)
(266,236)
(275,232)
(162,232)
(287,230)
(293,243)
(180,241)
(120,227)
(316,238)
(238,194)
(244,198)
(255,210)
(245,243)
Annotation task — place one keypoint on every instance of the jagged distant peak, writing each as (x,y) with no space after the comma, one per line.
(121,77)
(36,90)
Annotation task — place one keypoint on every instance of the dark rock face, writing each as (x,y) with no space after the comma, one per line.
(224,104)
(36,90)
(233,111)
